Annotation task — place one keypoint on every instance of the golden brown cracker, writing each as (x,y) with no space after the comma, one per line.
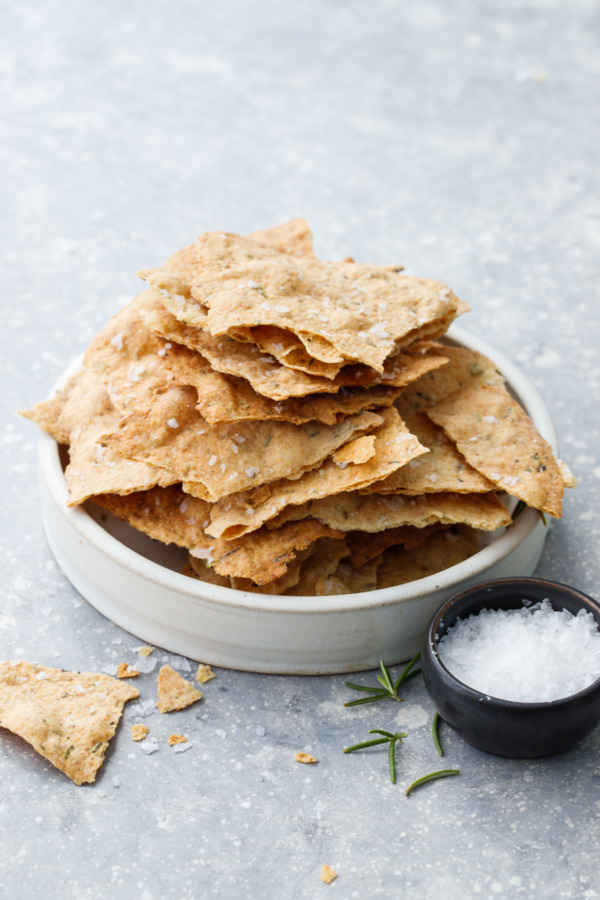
(226,458)
(465,369)
(498,438)
(342,312)
(139,732)
(67,717)
(365,546)
(204,673)
(353,511)
(246,511)
(170,516)
(442,469)
(440,551)
(317,569)
(174,692)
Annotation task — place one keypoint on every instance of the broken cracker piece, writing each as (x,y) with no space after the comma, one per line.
(177,739)
(146,650)
(204,673)
(305,758)
(139,732)
(328,874)
(68,717)
(126,671)
(174,692)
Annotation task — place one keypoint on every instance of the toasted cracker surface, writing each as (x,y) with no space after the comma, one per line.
(393,447)
(68,717)
(174,692)
(498,438)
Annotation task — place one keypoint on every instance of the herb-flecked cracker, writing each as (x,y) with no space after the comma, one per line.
(498,438)
(353,511)
(174,692)
(68,717)
(342,312)
(244,512)
(226,458)
(170,516)
(440,551)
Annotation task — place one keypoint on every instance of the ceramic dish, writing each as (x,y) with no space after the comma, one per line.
(136,582)
(506,727)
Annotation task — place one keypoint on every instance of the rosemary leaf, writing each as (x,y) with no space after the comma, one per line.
(392,760)
(435,731)
(404,673)
(365,688)
(372,699)
(433,776)
(365,744)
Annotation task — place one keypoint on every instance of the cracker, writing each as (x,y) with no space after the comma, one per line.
(139,732)
(343,312)
(327,874)
(355,452)
(136,364)
(356,579)
(499,439)
(168,515)
(465,369)
(363,546)
(93,468)
(317,569)
(245,360)
(226,458)
(248,510)
(177,739)
(50,414)
(304,758)
(440,551)
(353,511)
(442,469)
(204,673)
(294,238)
(174,692)
(67,717)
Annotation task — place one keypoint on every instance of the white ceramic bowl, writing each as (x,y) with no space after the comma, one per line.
(136,582)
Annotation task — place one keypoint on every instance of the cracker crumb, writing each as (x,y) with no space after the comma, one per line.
(146,650)
(139,732)
(328,874)
(177,739)
(124,670)
(305,758)
(204,673)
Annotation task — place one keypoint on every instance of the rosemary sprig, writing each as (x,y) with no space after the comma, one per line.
(388,689)
(435,732)
(388,737)
(433,776)
(518,510)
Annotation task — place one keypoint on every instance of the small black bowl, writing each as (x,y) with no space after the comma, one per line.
(505,727)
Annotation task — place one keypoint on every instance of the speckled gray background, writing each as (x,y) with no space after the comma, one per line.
(459,138)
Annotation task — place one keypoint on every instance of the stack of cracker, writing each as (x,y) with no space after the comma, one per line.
(296,424)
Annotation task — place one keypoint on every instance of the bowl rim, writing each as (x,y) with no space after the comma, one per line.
(200,591)
(518,705)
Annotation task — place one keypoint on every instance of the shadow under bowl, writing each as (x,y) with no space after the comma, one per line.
(506,727)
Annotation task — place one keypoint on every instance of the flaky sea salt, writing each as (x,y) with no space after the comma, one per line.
(531,655)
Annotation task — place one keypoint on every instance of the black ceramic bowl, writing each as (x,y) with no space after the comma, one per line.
(505,727)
